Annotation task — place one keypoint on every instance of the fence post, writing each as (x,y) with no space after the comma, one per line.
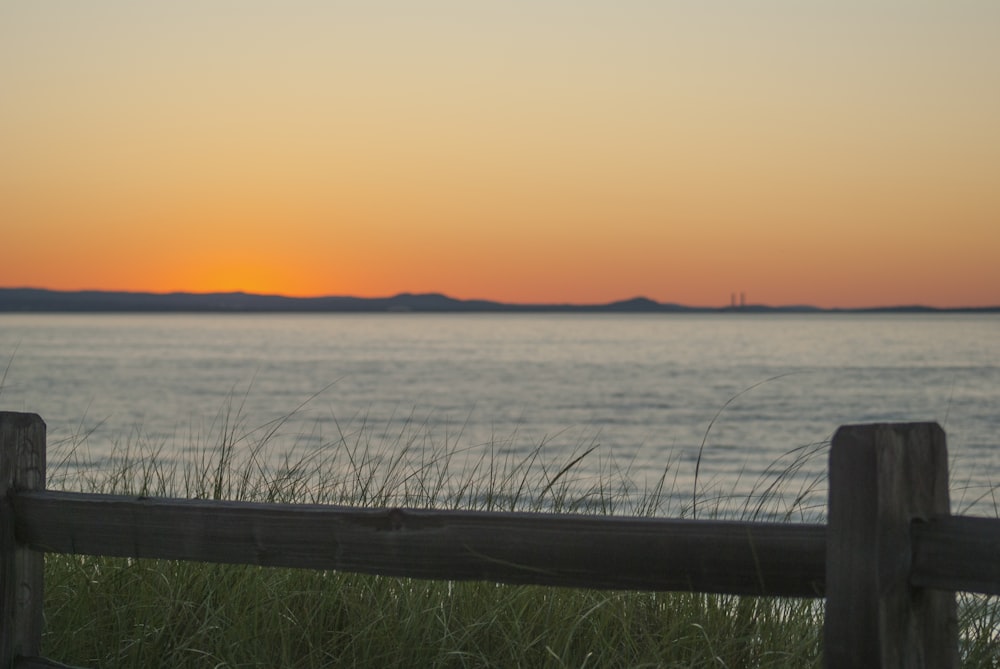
(22,466)
(881,478)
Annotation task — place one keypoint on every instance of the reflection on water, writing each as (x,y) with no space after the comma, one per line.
(646,388)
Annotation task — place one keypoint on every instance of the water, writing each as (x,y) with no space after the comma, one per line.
(645,388)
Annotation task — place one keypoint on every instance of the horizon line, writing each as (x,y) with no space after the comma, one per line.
(639,302)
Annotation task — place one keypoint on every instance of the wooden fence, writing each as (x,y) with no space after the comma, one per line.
(888,561)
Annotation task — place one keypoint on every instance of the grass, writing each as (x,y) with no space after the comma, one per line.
(104,612)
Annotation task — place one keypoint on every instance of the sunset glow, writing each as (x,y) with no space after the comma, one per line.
(836,154)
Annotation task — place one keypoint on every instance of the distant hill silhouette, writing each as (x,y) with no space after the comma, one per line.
(40,300)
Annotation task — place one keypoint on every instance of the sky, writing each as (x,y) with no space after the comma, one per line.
(840,154)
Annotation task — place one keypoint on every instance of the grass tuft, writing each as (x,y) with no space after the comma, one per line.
(109,612)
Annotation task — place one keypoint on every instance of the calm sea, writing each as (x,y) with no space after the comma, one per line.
(650,391)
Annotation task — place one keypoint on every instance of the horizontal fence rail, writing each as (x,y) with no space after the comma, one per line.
(528,548)
(887,562)
(957,553)
(729,557)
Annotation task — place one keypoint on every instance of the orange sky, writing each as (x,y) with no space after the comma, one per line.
(838,154)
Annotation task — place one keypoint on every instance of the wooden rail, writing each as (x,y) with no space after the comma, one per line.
(888,561)
(529,548)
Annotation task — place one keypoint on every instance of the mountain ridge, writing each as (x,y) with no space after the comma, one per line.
(41,300)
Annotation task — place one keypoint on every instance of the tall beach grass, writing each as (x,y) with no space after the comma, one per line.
(106,612)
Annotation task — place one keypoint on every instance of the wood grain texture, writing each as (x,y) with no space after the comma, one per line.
(957,553)
(882,478)
(531,548)
(22,467)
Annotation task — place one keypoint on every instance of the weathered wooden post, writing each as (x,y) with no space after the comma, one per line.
(22,466)
(883,477)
